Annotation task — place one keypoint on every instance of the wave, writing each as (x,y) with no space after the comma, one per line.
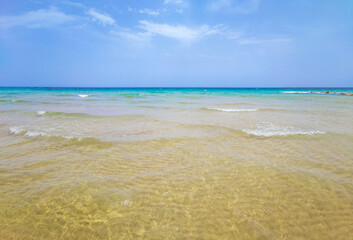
(296,92)
(86,115)
(237,104)
(154,107)
(131,95)
(39,132)
(45,113)
(233,109)
(41,112)
(13,101)
(49,103)
(83,95)
(257,110)
(10,111)
(70,140)
(268,130)
(64,95)
(186,102)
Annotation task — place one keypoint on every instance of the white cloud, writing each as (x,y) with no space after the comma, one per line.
(104,19)
(75,4)
(140,36)
(149,12)
(36,19)
(239,6)
(178,32)
(219,4)
(261,41)
(174,2)
(179,3)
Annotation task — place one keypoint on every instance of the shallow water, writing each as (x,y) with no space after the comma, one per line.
(175,164)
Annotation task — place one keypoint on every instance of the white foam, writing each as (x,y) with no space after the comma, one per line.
(41,112)
(294,92)
(36,132)
(16,130)
(269,130)
(233,110)
(83,95)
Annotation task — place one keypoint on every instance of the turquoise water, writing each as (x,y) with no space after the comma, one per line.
(177,163)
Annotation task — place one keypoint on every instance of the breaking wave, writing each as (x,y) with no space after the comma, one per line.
(233,109)
(268,130)
(39,132)
(41,112)
(296,92)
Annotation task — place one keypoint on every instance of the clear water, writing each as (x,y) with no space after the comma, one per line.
(154,163)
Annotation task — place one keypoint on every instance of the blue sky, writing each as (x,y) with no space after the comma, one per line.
(176,43)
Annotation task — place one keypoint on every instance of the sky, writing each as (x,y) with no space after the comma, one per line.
(176,43)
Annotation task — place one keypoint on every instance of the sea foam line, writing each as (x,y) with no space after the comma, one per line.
(38,132)
(41,112)
(234,110)
(293,92)
(269,130)
(83,95)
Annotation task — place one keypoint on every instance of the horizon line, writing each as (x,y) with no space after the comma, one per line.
(177,87)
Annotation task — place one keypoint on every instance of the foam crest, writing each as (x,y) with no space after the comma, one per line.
(38,132)
(234,110)
(16,130)
(268,130)
(41,112)
(296,92)
(83,95)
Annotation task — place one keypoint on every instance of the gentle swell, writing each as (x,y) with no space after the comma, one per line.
(267,133)
(83,115)
(268,130)
(13,101)
(295,92)
(39,132)
(232,109)
(45,113)
(255,110)
(41,112)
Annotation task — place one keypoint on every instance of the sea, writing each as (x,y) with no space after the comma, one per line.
(176,163)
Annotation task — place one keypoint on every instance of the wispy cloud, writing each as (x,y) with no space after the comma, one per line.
(178,32)
(102,18)
(36,19)
(239,6)
(179,3)
(138,37)
(150,11)
(261,41)
(174,1)
(75,4)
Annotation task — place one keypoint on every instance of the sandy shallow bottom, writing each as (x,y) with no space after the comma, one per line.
(171,172)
